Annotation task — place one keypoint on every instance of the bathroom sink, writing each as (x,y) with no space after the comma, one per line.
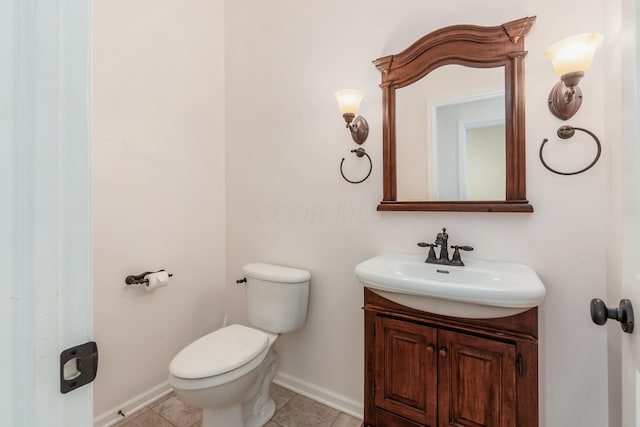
(477,290)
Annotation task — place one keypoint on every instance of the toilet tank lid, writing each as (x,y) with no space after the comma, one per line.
(219,352)
(276,273)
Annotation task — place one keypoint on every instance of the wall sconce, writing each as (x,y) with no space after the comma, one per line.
(349,103)
(570,58)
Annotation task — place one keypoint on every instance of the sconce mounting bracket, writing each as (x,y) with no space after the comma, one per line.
(359,129)
(565,97)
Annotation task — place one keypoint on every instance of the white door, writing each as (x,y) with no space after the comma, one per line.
(630,288)
(45,290)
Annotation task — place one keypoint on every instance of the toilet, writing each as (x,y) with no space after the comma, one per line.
(228,372)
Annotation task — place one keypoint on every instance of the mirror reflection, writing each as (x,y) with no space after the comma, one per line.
(451,137)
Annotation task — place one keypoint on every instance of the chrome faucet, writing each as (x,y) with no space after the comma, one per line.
(442,240)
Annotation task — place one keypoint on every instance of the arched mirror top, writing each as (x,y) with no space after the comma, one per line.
(469,46)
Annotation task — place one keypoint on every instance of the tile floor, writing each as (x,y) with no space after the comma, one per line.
(292,410)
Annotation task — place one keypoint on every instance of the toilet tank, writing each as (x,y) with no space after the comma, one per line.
(277,297)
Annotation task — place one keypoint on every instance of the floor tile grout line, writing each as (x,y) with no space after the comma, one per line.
(164,418)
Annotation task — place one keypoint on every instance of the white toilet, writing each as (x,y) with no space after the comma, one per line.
(228,372)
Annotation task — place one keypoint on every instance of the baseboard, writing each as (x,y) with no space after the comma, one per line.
(131,406)
(320,394)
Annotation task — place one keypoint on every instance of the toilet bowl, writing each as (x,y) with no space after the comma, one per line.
(228,372)
(232,387)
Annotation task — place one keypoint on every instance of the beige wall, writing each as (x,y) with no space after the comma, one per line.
(485,163)
(158,185)
(288,204)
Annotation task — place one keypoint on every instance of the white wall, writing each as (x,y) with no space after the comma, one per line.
(288,204)
(158,171)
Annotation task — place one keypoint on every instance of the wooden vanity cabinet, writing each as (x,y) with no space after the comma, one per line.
(423,369)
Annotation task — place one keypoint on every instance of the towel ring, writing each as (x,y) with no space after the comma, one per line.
(359,153)
(566,132)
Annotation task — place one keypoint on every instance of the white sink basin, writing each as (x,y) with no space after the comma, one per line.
(479,290)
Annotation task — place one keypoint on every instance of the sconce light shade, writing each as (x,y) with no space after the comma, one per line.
(570,58)
(574,53)
(349,104)
(349,100)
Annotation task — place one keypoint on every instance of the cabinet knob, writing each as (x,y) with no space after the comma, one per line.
(443,352)
(431,349)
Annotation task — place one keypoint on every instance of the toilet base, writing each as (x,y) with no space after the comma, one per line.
(254,412)
(230,416)
(259,419)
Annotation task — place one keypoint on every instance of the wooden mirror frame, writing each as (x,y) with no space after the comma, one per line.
(472,46)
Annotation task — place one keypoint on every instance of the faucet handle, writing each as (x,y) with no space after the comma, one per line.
(456,259)
(425,245)
(431,256)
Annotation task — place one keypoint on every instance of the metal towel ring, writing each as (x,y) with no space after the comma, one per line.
(360,153)
(566,132)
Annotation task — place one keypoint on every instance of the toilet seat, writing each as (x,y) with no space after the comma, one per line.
(219,352)
(223,378)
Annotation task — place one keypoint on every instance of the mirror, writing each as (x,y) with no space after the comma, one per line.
(450,136)
(453,125)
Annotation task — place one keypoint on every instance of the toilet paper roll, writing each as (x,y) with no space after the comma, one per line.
(156,280)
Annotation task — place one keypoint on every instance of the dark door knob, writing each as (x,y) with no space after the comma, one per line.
(600,313)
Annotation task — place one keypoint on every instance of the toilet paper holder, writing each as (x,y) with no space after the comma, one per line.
(139,279)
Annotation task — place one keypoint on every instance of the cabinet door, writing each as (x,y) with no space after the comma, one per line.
(406,369)
(476,382)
